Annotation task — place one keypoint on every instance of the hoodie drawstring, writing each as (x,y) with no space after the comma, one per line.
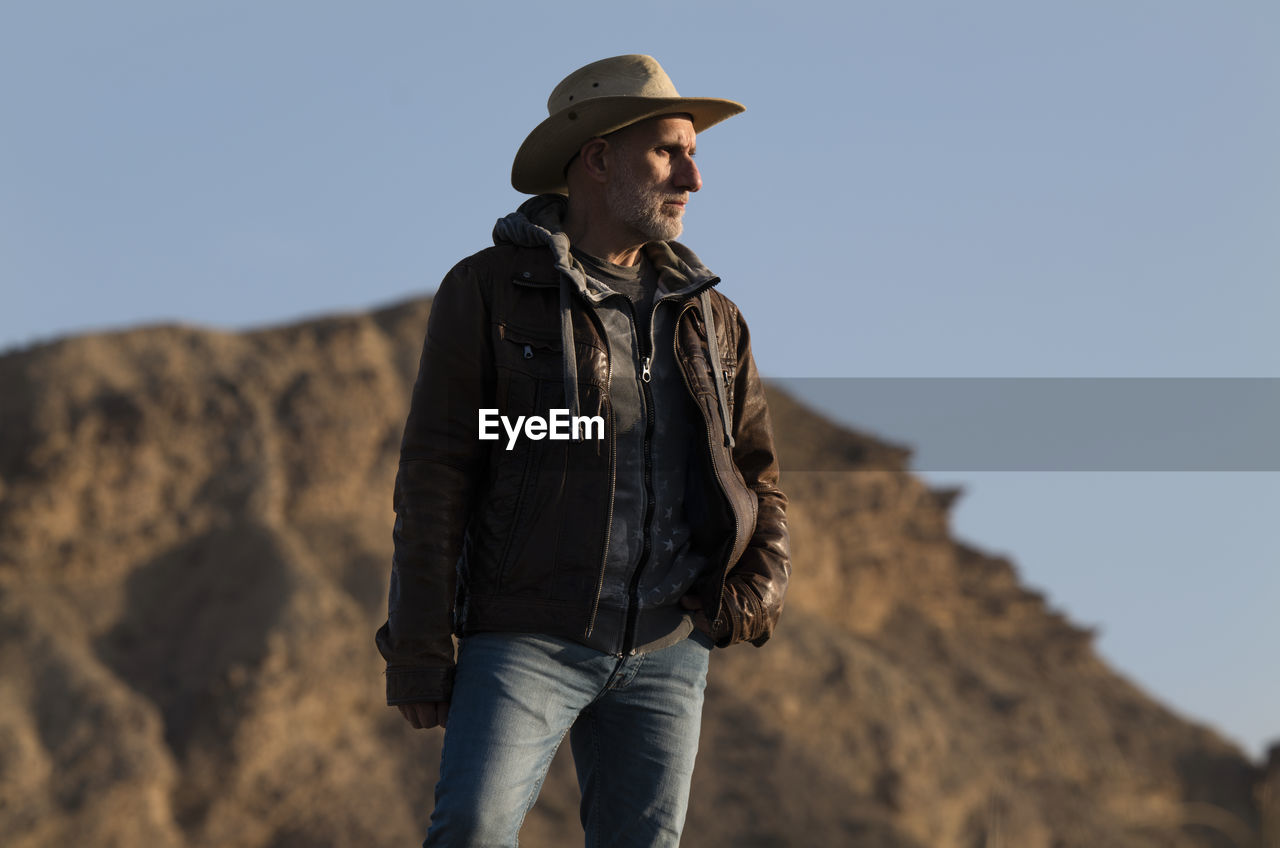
(717,370)
(570,350)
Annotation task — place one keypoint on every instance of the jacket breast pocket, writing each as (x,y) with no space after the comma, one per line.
(531,353)
(728,357)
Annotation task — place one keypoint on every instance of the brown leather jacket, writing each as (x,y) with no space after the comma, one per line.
(488,538)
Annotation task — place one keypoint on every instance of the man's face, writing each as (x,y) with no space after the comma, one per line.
(652,173)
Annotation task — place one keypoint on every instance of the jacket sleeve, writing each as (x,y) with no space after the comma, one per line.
(441,465)
(755,586)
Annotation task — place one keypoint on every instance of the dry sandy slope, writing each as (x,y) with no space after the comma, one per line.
(194,543)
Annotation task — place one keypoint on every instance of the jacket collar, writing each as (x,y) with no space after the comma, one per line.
(539,222)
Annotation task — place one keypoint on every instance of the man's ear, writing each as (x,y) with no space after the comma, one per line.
(596,157)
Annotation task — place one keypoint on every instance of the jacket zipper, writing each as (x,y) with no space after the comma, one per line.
(646,545)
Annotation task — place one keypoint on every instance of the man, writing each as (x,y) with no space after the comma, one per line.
(588,571)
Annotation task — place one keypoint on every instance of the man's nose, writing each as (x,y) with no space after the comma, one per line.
(688,177)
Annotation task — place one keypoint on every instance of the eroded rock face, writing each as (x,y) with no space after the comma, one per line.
(194,550)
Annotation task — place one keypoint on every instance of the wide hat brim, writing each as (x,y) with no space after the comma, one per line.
(541,160)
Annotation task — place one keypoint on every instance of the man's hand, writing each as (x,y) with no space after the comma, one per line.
(425,714)
(692,602)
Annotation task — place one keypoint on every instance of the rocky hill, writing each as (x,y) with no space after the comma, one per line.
(194,548)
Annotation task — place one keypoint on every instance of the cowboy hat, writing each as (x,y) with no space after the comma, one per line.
(598,99)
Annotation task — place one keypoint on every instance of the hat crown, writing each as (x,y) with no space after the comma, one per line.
(635,75)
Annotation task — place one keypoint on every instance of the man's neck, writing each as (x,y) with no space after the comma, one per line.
(619,245)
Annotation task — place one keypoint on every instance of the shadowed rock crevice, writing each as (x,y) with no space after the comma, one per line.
(195,624)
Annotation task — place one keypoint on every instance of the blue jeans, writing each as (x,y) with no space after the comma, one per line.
(633,725)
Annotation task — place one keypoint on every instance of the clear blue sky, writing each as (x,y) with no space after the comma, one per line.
(986,189)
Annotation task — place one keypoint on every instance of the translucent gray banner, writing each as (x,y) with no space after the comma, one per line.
(1038,424)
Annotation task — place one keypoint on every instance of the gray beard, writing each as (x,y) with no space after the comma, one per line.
(641,208)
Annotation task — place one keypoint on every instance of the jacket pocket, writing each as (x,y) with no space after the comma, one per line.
(537,354)
(728,355)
